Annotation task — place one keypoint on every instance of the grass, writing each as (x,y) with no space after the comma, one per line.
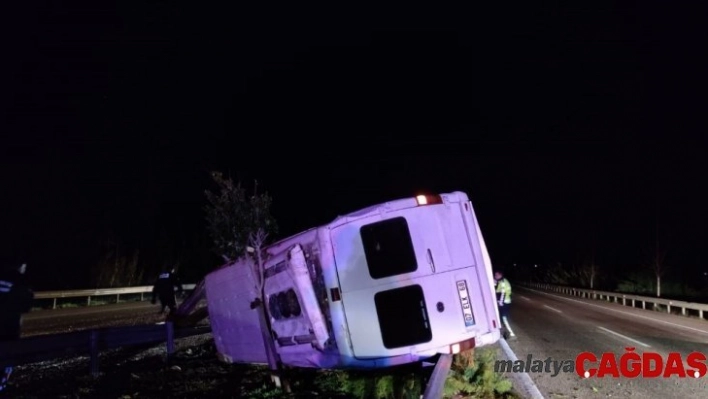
(472,375)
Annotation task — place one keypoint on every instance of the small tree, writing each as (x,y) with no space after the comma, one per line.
(240,224)
(233,217)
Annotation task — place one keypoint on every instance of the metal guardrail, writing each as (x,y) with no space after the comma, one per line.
(686,308)
(436,384)
(89,293)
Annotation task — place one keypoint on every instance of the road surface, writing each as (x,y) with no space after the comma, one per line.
(559,327)
(81,318)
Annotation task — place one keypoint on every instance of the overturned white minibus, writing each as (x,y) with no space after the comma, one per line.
(390,284)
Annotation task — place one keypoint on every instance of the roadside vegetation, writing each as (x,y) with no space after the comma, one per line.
(641,279)
(194,371)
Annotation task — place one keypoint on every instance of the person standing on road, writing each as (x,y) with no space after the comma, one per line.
(15,299)
(503,288)
(164,289)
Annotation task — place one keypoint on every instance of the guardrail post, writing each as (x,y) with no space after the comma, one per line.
(644,305)
(88,301)
(117,298)
(93,350)
(170,340)
(54,305)
(700,313)
(624,301)
(668,308)
(683,310)
(434,388)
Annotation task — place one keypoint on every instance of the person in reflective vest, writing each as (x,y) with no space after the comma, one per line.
(15,299)
(503,288)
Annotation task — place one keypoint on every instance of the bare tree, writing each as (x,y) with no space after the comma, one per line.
(658,259)
(256,241)
(588,273)
(658,266)
(589,270)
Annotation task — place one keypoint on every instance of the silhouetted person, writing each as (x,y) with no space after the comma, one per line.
(15,299)
(164,290)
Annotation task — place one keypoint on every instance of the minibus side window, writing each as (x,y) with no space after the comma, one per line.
(388,248)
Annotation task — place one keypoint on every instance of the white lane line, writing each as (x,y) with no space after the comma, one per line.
(525,298)
(553,309)
(624,313)
(624,337)
(526,381)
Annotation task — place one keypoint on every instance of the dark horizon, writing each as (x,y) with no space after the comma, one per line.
(577,134)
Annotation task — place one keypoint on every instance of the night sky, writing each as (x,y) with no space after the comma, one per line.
(577,133)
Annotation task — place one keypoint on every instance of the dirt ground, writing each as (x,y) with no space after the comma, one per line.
(192,372)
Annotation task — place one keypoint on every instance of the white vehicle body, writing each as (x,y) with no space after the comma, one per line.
(390,284)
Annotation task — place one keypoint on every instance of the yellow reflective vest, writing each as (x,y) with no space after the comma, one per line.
(503,291)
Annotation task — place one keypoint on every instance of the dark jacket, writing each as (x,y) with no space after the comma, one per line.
(15,299)
(164,287)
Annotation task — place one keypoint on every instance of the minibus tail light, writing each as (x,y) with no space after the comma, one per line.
(428,199)
(462,346)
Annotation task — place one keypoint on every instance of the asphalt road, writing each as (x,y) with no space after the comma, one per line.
(82,318)
(558,327)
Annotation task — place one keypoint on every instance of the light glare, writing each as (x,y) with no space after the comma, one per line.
(455,348)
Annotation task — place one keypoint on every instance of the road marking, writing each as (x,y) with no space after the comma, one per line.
(553,309)
(524,297)
(625,337)
(526,380)
(624,313)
